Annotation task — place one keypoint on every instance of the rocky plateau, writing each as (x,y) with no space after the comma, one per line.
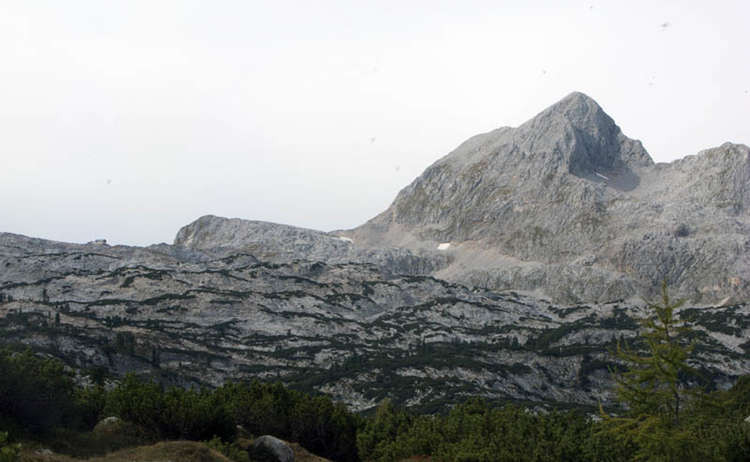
(509,269)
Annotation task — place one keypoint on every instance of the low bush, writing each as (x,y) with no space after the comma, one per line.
(36,394)
(172,413)
(231,450)
(8,452)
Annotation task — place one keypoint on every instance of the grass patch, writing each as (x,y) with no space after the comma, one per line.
(183,451)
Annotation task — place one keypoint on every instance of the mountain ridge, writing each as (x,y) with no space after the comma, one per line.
(563,206)
(508,270)
(568,187)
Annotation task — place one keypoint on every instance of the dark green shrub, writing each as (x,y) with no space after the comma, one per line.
(475,432)
(36,393)
(8,452)
(89,406)
(136,401)
(174,413)
(196,415)
(231,450)
(316,423)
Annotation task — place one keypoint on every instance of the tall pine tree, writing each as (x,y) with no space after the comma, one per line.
(658,389)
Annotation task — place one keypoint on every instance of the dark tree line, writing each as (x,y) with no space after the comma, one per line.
(38,396)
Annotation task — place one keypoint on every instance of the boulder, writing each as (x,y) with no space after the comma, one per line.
(272,445)
(110,424)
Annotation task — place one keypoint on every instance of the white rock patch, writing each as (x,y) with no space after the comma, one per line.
(444,246)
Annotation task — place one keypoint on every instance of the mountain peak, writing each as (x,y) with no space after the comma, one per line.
(578,109)
(577,98)
(496,188)
(567,204)
(576,133)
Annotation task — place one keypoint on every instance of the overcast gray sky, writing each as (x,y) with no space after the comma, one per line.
(127,120)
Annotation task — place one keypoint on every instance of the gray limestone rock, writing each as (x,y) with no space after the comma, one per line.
(110,425)
(565,206)
(352,330)
(507,270)
(523,207)
(283,243)
(275,446)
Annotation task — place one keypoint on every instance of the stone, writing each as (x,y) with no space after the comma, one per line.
(283,243)
(351,329)
(114,425)
(275,446)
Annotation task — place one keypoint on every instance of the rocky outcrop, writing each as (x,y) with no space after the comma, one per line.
(564,206)
(351,330)
(109,425)
(568,206)
(283,243)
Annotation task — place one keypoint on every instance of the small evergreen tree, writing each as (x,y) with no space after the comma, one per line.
(656,389)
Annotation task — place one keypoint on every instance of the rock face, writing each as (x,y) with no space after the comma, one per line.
(352,330)
(507,270)
(282,243)
(568,206)
(564,206)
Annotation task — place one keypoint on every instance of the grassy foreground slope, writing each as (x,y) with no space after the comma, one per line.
(177,451)
(182,451)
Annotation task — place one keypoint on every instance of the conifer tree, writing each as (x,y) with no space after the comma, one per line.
(658,389)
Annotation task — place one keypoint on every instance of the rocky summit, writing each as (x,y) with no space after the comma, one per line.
(567,206)
(564,206)
(509,269)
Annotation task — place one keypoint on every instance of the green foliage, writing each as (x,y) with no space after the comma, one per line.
(172,413)
(475,432)
(196,415)
(89,405)
(40,398)
(720,421)
(315,422)
(658,394)
(231,450)
(8,452)
(86,444)
(36,393)
(141,403)
(655,383)
(377,439)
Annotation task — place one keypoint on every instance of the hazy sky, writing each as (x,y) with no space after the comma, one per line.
(127,120)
